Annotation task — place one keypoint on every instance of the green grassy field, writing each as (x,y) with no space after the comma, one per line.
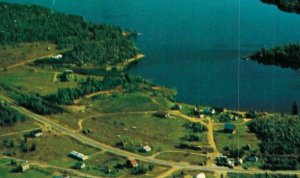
(6,172)
(24,52)
(127,102)
(190,174)
(100,163)
(136,129)
(233,175)
(36,80)
(185,157)
(50,148)
(239,139)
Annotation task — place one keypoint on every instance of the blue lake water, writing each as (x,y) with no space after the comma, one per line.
(194,47)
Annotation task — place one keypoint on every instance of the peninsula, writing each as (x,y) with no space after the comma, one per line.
(286,56)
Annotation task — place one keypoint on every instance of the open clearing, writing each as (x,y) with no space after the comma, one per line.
(50,148)
(140,129)
(239,139)
(23,52)
(34,79)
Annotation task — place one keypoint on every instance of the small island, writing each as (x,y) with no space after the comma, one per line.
(286,56)
(285,5)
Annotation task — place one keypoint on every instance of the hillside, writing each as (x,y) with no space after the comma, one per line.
(88,43)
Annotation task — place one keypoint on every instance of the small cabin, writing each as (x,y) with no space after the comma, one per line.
(201,175)
(146,148)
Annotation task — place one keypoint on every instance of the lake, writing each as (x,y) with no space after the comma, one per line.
(194,46)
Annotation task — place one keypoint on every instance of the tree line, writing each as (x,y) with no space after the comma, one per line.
(9,116)
(35,103)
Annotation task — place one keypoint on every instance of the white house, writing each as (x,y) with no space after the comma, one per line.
(201,175)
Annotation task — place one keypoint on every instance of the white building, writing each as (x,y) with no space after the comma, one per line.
(58,56)
(146,148)
(201,175)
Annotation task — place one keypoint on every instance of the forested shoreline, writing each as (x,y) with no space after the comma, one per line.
(88,43)
(286,56)
(285,5)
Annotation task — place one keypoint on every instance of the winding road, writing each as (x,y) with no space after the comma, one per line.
(107,148)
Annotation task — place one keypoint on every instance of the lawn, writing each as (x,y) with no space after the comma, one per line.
(35,80)
(13,54)
(239,139)
(137,129)
(185,157)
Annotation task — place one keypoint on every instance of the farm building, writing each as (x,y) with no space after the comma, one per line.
(229,128)
(78,156)
(79,166)
(134,163)
(162,114)
(58,56)
(37,133)
(177,107)
(201,175)
(252,159)
(146,148)
(23,167)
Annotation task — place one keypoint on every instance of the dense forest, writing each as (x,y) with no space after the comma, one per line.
(34,103)
(112,79)
(287,56)
(9,117)
(280,137)
(286,5)
(88,43)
